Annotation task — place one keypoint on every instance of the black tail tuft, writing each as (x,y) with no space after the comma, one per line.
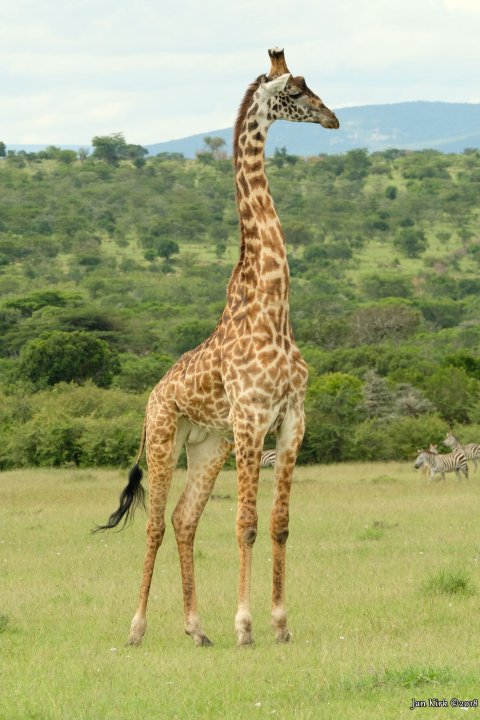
(132,496)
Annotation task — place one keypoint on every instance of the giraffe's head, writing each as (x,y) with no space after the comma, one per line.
(289,98)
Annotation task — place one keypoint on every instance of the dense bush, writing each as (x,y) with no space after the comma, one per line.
(333,406)
(70,424)
(63,357)
(384,253)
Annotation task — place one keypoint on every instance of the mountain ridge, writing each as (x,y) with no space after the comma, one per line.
(413,125)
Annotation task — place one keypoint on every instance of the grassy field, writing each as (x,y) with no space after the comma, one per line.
(383,589)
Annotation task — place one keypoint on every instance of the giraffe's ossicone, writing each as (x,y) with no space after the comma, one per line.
(246,380)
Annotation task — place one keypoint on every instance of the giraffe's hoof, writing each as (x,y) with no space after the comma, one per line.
(134,640)
(245,638)
(243,626)
(203,641)
(283,636)
(137,631)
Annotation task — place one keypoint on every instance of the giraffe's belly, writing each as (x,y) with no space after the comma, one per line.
(211,401)
(220,417)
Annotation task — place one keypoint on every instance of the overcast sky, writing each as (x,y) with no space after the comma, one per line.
(158,70)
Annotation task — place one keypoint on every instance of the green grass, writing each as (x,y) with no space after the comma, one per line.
(450,582)
(367,636)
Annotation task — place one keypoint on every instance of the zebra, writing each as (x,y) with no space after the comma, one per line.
(471,450)
(440,464)
(267,459)
(426,468)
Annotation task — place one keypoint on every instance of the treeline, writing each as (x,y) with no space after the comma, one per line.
(112,264)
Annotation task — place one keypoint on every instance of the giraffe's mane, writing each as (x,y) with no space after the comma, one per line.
(242,111)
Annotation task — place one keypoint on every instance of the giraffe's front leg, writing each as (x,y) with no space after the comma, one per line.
(248,447)
(288,443)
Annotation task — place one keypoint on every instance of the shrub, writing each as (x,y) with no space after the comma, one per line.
(61,356)
(371,441)
(70,424)
(141,373)
(407,434)
(45,440)
(411,242)
(454,393)
(110,441)
(397,438)
(383,285)
(391,319)
(332,408)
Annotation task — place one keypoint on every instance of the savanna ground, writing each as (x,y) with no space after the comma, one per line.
(383,589)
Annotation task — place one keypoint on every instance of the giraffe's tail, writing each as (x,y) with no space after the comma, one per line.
(131,497)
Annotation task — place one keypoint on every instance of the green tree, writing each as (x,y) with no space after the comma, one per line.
(3,149)
(66,157)
(281,157)
(135,153)
(411,242)
(141,373)
(383,285)
(113,148)
(108,148)
(188,335)
(453,392)
(397,438)
(357,164)
(70,357)
(216,146)
(466,360)
(166,248)
(297,232)
(392,319)
(333,407)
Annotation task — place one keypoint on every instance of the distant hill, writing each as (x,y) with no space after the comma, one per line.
(448,127)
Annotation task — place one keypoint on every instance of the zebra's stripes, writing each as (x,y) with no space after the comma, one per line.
(471,450)
(440,464)
(267,459)
(426,470)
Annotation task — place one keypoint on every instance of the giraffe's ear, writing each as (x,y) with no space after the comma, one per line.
(275,86)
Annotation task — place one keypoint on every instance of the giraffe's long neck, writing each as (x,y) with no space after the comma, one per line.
(262,267)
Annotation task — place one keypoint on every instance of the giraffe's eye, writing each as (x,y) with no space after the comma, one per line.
(296,96)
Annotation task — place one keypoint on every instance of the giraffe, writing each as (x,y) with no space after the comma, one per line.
(246,380)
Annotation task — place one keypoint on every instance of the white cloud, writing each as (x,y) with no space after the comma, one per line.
(158,70)
(465,5)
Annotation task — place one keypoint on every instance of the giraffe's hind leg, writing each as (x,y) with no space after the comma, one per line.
(205,460)
(164,443)
(249,437)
